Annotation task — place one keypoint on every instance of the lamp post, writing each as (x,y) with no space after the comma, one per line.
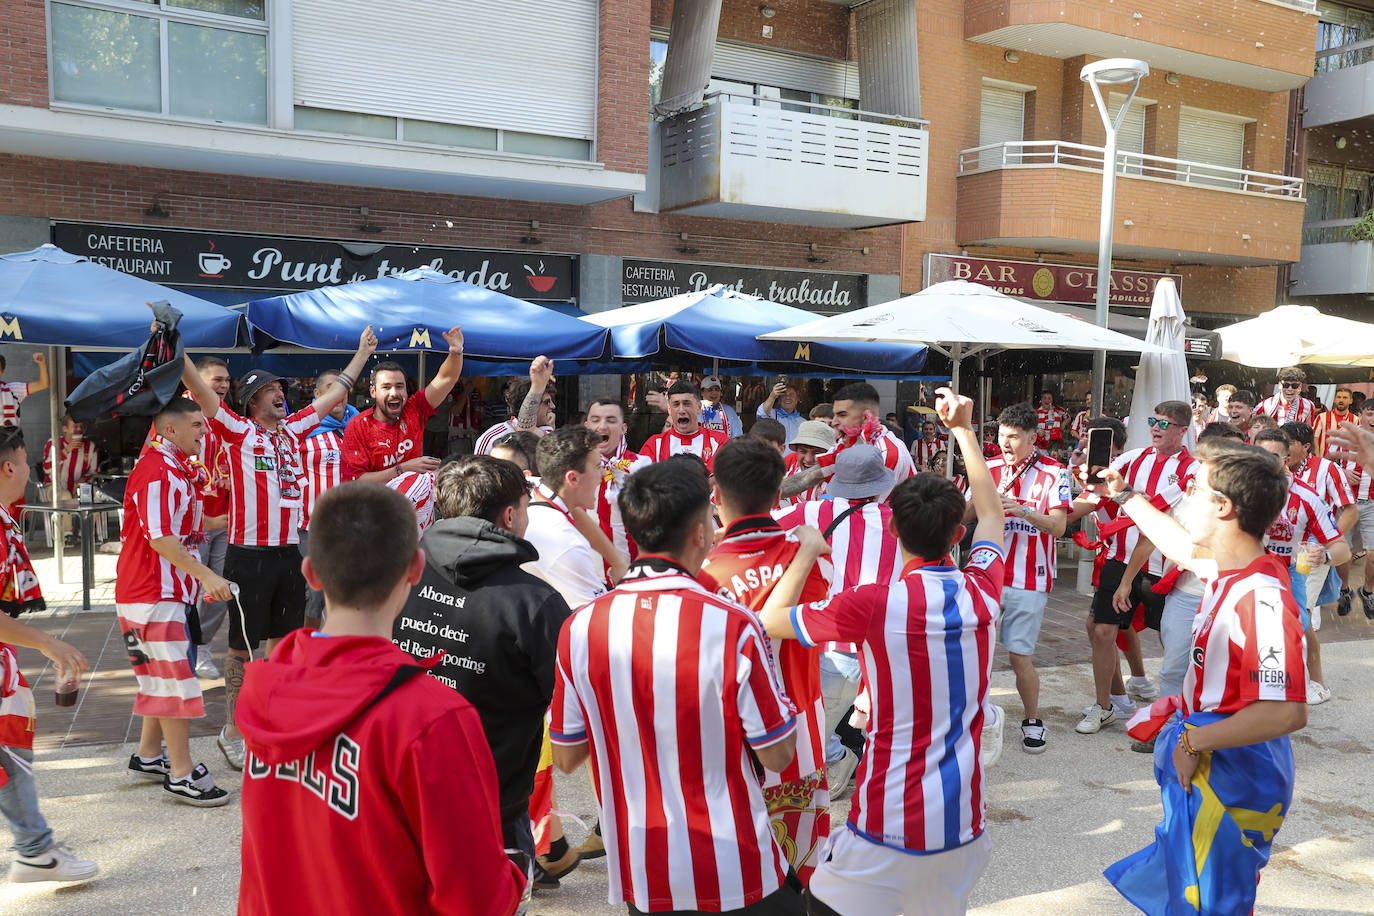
(1114,71)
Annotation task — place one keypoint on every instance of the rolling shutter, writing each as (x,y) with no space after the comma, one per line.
(1131,137)
(764,66)
(523,65)
(1216,139)
(1001,119)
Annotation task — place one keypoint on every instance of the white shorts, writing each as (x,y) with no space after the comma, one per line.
(860,878)
(1316,581)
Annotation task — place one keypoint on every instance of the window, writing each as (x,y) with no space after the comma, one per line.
(1339,26)
(204,59)
(1211,138)
(1001,119)
(436,133)
(1334,194)
(1131,137)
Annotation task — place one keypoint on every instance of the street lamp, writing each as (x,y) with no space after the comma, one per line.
(1114,71)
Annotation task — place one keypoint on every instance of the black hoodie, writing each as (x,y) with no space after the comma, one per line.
(498,627)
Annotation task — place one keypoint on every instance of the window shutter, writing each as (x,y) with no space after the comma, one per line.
(766,67)
(1002,119)
(522,65)
(1213,139)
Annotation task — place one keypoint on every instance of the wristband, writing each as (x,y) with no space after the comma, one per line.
(1120,498)
(1187,745)
(346,380)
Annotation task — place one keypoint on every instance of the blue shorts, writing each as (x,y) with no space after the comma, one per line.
(1298,582)
(1022,613)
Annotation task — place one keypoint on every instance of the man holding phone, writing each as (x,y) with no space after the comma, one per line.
(781,405)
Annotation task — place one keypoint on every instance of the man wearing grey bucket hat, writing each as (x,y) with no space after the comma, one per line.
(857,525)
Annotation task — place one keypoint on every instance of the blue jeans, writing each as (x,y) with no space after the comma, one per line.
(839,687)
(1176,632)
(19,804)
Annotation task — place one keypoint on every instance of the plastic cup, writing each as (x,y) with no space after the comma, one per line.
(65,692)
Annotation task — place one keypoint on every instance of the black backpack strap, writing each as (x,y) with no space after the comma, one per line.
(402,674)
(835,523)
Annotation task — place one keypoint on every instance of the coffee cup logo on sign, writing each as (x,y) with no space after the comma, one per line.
(212,263)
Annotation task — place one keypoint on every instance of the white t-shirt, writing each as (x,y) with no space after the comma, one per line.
(566,561)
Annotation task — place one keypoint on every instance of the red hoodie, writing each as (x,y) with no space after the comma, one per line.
(396,800)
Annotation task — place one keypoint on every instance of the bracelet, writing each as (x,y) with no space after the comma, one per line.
(1187,745)
(1120,498)
(1025,512)
(345,379)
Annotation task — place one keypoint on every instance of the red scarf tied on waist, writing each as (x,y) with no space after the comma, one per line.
(19,588)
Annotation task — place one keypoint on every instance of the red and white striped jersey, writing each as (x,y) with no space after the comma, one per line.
(418,487)
(1079,426)
(465,414)
(1119,544)
(1049,426)
(1042,485)
(896,456)
(11,393)
(1300,410)
(923,451)
(497,432)
(322,457)
(862,548)
(1248,643)
(1162,479)
(1304,515)
(746,563)
(613,474)
(1328,479)
(926,655)
(1363,481)
(1327,422)
(670,684)
(161,499)
(78,464)
(792,463)
(704,443)
(259,514)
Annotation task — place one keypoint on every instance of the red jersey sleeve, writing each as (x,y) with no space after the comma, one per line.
(419,403)
(844,618)
(228,425)
(1272,663)
(986,568)
(765,713)
(448,778)
(567,718)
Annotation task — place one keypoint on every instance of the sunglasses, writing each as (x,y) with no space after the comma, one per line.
(1292,384)
(1157,423)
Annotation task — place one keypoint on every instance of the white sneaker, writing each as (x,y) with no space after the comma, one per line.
(205,667)
(992,735)
(1125,710)
(54,864)
(839,775)
(234,751)
(1095,718)
(1317,693)
(1142,690)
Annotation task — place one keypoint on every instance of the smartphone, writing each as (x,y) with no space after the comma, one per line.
(1099,453)
(782,380)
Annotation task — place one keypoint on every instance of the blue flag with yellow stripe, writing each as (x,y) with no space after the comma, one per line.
(1209,849)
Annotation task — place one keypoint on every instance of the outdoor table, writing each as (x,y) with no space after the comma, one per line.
(85,514)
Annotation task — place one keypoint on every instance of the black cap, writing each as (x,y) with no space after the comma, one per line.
(255,381)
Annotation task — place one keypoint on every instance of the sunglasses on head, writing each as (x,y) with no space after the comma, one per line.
(1161,425)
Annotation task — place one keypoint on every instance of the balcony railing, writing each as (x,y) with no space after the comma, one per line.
(1355,54)
(1029,154)
(751,151)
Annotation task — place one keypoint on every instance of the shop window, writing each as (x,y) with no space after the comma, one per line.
(202,59)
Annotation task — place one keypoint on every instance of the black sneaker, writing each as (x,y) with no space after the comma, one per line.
(196,788)
(155,770)
(1368,601)
(1343,602)
(1033,736)
(543,881)
(1144,747)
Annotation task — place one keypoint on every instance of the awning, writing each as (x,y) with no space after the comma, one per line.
(1198,344)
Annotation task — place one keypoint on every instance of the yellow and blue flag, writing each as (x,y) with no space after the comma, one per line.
(1208,851)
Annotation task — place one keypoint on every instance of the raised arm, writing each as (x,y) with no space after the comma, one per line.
(801,482)
(787,592)
(43,380)
(442,384)
(200,389)
(343,382)
(956,412)
(541,371)
(1172,539)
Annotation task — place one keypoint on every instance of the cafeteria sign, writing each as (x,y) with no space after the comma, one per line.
(817,291)
(189,258)
(1032,280)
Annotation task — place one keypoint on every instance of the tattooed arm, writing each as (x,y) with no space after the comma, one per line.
(541,371)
